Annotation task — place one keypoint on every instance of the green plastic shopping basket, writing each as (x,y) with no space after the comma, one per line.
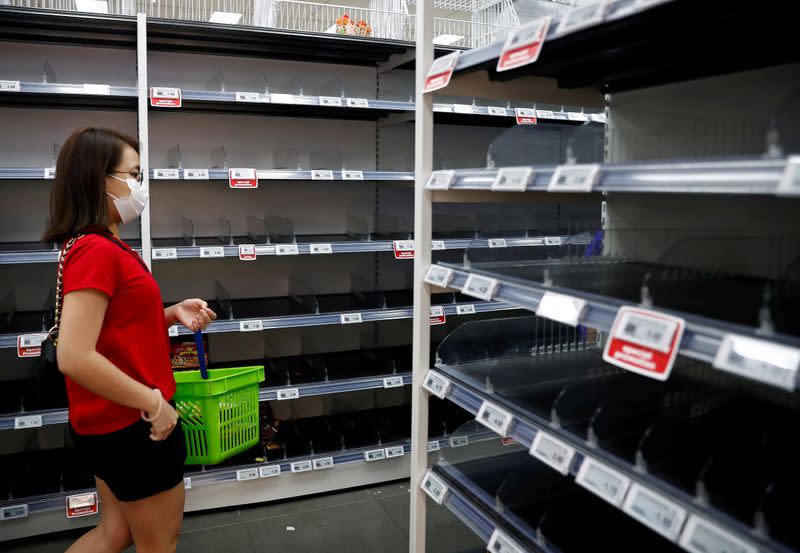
(218,409)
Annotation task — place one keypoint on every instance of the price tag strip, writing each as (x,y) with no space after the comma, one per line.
(27,421)
(463,108)
(501,543)
(480,287)
(574,178)
(654,511)
(700,536)
(561,308)
(286,249)
(434,445)
(513,179)
(13,511)
(282,98)
(247,252)
(195,174)
(301,466)
(789,184)
(395,451)
(212,251)
(523,45)
(162,97)
(583,17)
(552,451)
(255,325)
(172,331)
(760,360)
(166,174)
(165,253)
(357,103)
(248,97)
(97,89)
(320,249)
(498,243)
(288,393)
(330,101)
(50,173)
(9,86)
(30,345)
(351,318)
(269,471)
(352,175)
(494,418)
(434,487)
(242,178)
(81,505)
(440,180)
(440,73)
(645,342)
(552,241)
(437,384)
(323,463)
(403,249)
(468,309)
(393,382)
(459,441)
(246,474)
(497,111)
(438,245)
(603,481)
(437,315)
(374,455)
(321,174)
(187,483)
(525,116)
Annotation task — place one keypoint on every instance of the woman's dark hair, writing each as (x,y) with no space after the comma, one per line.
(78,200)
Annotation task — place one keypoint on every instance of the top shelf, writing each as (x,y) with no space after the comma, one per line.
(636,44)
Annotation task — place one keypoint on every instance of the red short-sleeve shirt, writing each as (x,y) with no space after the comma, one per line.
(134,334)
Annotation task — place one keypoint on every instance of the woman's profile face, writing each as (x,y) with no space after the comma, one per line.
(127,168)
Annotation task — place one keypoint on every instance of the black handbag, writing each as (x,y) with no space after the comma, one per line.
(50,343)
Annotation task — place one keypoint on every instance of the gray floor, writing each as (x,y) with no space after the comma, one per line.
(371,520)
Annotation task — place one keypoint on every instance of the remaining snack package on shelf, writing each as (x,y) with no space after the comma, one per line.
(183,354)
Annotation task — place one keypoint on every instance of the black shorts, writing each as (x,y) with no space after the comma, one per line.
(134,466)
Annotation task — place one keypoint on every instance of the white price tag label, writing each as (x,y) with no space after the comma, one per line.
(561,308)
(544,114)
(352,175)
(598,118)
(269,472)
(501,543)
(350,318)
(247,252)
(172,331)
(603,481)
(99,89)
(9,86)
(288,393)
(319,249)
(395,451)
(480,287)
(195,174)
(467,309)
(524,44)
(582,17)
(27,421)
(249,97)
(438,316)
(393,382)
(459,441)
(440,72)
(789,184)
(242,178)
(498,243)
(552,241)
(434,487)
(164,174)
(330,101)
(494,418)
(760,360)
(164,97)
(187,483)
(463,108)
(525,116)
(552,451)
(165,253)
(301,466)
(286,249)
(512,179)
(654,511)
(50,173)
(212,251)
(282,98)
(434,445)
(256,325)
(701,536)
(437,384)
(323,463)
(403,249)
(577,116)
(81,505)
(437,245)
(30,345)
(497,111)
(246,474)
(357,103)
(321,174)
(574,178)
(645,342)
(13,511)
(440,180)
(374,455)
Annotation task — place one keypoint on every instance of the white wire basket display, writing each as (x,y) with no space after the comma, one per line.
(464,23)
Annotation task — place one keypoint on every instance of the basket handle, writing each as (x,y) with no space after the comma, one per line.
(201,354)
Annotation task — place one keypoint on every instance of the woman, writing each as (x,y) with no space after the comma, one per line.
(113,348)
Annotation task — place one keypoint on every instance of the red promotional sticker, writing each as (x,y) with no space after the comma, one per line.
(242,178)
(645,342)
(404,249)
(82,505)
(30,345)
(440,73)
(525,116)
(247,252)
(437,315)
(161,97)
(524,45)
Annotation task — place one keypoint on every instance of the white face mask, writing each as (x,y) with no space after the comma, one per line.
(130,207)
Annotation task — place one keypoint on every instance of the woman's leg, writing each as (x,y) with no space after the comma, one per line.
(155,522)
(112,535)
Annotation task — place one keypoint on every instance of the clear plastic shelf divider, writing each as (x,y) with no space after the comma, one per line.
(216,83)
(327,159)
(174,157)
(303,294)
(224,300)
(188,233)
(219,158)
(257,230)
(225,233)
(280,230)
(286,158)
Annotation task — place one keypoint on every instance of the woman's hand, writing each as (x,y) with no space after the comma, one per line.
(163,425)
(194,314)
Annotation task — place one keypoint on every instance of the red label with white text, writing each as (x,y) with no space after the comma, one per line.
(242,178)
(524,45)
(437,315)
(162,97)
(440,72)
(645,342)
(247,252)
(526,116)
(30,345)
(403,249)
(82,505)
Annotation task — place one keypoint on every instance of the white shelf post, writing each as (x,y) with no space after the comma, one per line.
(423,148)
(144,144)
